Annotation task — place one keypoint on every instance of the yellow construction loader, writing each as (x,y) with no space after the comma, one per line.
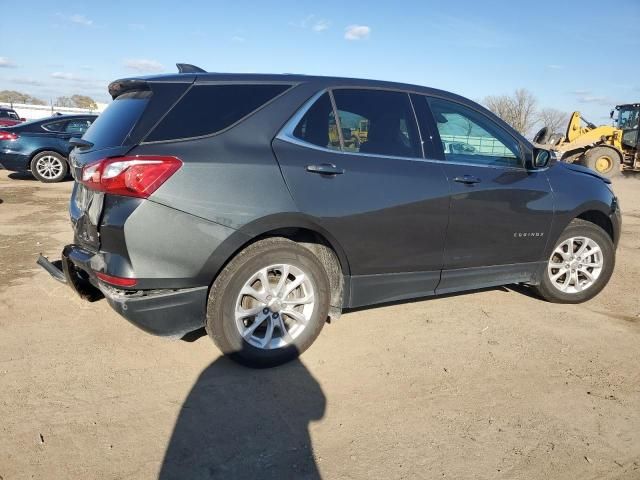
(606,149)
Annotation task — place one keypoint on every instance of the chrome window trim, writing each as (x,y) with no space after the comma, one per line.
(286,135)
(45,125)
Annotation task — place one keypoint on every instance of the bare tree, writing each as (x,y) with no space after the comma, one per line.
(555,120)
(11,96)
(64,102)
(77,101)
(519,109)
(83,101)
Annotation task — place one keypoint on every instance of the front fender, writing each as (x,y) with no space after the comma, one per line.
(577,194)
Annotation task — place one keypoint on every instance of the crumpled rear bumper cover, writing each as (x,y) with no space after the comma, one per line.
(159,312)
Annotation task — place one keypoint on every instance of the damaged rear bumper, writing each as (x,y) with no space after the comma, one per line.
(165,312)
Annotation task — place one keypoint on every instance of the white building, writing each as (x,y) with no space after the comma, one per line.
(33,112)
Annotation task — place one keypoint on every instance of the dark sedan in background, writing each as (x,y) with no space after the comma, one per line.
(42,146)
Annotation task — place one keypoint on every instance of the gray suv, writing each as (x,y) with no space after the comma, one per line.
(261,206)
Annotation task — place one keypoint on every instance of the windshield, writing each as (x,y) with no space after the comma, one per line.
(9,114)
(628,117)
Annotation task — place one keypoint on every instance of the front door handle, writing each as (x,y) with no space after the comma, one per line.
(325,169)
(467,179)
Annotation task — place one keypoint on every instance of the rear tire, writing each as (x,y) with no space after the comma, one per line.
(604,160)
(542,137)
(572,275)
(266,327)
(49,167)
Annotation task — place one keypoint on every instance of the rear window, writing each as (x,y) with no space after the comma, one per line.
(208,109)
(54,126)
(113,125)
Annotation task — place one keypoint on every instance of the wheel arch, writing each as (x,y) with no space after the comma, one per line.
(601,219)
(297,228)
(46,149)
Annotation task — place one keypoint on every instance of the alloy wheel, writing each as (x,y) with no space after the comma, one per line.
(575,264)
(49,167)
(274,306)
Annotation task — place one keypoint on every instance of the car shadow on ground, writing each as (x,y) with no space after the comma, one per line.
(22,176)
(241,423)
(27,176)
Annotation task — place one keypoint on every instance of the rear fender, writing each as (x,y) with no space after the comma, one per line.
(264,227)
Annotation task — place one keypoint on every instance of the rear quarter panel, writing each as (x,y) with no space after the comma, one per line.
(231,178)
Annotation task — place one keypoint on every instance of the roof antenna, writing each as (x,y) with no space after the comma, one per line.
(188,68)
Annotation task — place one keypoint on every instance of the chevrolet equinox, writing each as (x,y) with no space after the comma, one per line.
(260,206)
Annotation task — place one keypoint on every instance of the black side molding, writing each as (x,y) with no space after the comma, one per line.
(188,68)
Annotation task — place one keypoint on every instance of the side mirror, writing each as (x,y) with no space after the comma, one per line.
(541,158)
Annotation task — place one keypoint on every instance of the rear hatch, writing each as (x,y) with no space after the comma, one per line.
(137,106)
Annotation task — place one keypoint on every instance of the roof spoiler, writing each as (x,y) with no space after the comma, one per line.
(119,87)
(188,68)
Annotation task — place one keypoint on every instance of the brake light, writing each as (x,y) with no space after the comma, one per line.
(137,176)
(117,281)
(8,136)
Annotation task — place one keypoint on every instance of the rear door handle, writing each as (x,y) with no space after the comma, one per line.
(467,179)
(325,169)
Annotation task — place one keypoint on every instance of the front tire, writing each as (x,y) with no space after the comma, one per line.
(49,167)
(269,303)
(606,161)
(580,265)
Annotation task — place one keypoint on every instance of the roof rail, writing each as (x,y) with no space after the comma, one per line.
(188,68)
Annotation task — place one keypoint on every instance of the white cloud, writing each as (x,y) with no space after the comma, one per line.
(64,76)
(599,100)
(581,92)
(312,22)
(143,65)
(320,26)
(6,63)
(79,81)
(555,67)
(357,32)
(81,20)
(238,39)
(304,23)
(27,81)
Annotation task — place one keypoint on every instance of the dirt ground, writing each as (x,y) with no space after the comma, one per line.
(491,384)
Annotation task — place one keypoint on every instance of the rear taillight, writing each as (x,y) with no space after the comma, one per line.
(117,281)
(8,136)
(137,176)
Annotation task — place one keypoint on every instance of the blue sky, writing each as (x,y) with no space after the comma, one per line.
(570,54)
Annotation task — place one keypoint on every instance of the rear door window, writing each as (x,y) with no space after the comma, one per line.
(208,109)
(78,126)
(318,125)
(377,122)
